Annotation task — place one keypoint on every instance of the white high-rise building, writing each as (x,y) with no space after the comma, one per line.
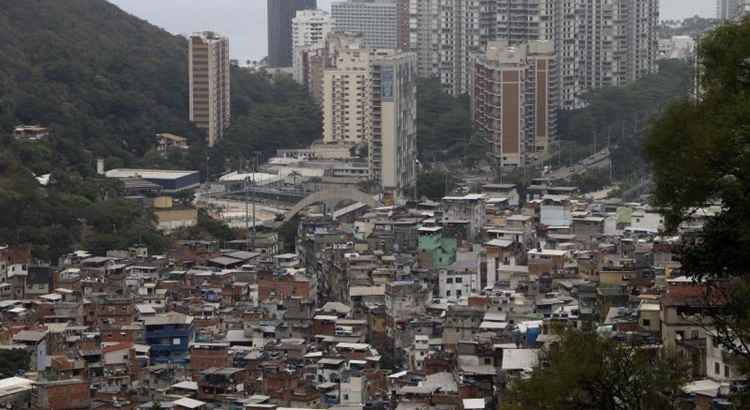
(377,20)
(209,75)
(597,42)
(444,34)
(309,31)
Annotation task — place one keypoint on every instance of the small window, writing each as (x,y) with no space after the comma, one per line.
(727,372)
(717,369)
(449,280)
(646,323)
(346,397)
(459,280)
(458,293)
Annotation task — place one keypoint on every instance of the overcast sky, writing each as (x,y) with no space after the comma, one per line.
(244,21)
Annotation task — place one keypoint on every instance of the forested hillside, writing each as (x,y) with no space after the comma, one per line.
(105,82)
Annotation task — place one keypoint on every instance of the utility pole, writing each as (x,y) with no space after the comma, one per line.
(609,153)
(208,184)
(247,211)
(594,141)
(255,169)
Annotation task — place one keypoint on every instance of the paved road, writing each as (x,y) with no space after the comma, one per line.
(598,160)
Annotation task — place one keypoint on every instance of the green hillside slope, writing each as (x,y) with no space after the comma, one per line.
(106,82)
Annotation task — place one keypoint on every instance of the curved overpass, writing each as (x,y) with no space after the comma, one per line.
(331,199)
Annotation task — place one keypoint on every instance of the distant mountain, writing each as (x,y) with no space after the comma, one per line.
(101,77)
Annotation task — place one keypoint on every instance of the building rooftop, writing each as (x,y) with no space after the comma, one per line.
(148,173)
(14,385)
(189,403)
(171,318)
(29,336)
(520,359)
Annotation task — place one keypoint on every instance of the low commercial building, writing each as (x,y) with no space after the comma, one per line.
(171,181)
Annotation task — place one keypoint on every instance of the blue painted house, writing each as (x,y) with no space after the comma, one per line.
(169,335)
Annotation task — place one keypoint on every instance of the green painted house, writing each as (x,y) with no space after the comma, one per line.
(436,251)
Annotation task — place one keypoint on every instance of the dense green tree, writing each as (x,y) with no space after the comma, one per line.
(288,234)
(208,228)
(476,149)
(618,116)
(435,184)
(443,122)
(586,371)
(700,156)
(13,361)
(592,180)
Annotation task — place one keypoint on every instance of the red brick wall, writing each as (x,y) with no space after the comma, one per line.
(201,359)
(68,396)
(283,289)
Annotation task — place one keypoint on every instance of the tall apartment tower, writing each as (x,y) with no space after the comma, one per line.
(377,20)
(444,34)
(309,31)
(209,81)
(393,138)
(515,21)
(280,15)
(514,99)
(346,106)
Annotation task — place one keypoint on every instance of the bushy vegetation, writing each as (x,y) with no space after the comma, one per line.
(13,362)
(586,371)
(435,184)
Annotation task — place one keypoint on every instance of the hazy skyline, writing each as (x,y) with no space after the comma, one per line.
(244,21)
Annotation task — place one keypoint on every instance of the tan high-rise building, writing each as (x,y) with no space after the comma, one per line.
(316,60)
(209,74)
(369,97)
(514,100)
(346,105)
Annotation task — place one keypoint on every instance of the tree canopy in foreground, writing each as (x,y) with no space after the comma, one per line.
(587,371)
(700,155)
